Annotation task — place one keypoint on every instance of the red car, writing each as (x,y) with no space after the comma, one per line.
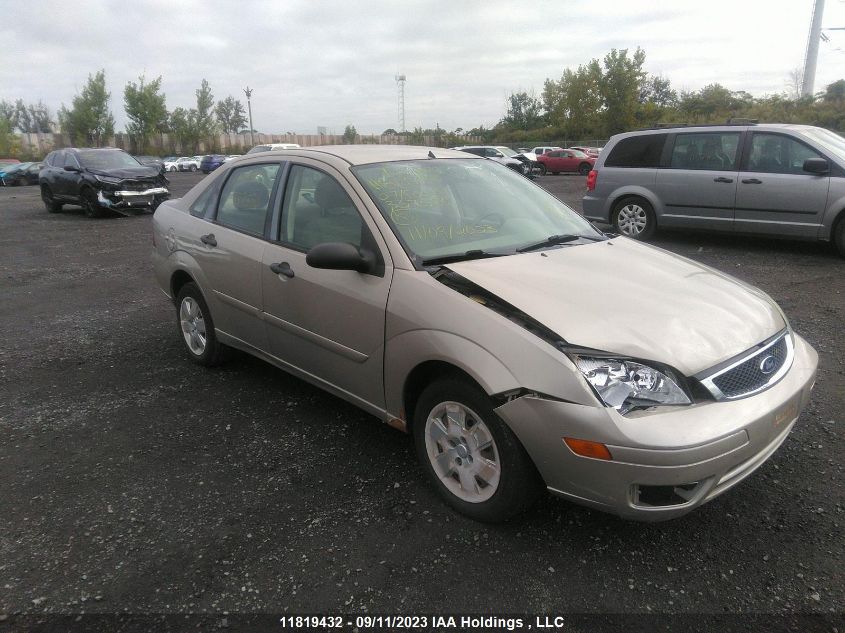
(567,160)
(589,151)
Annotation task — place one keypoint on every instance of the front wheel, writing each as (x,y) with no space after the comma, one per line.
(634,218)
(172,169)
(49,201)
(193,167)
(195,326)
(90,205)
(525,169)
(472,458)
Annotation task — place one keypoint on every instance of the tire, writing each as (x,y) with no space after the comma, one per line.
(541,169)
(50,202)
(634,218)
(839,236)
(90,205)
(193,168)
(491,484)
(525,169)
(172,169)
(20,182)
(196,327)
(584,168)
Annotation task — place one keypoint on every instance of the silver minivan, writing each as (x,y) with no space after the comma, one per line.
(456,300)
(765,179)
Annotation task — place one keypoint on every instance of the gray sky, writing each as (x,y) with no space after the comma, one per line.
(331,63)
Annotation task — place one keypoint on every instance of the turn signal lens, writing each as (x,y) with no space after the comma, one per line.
(585,448)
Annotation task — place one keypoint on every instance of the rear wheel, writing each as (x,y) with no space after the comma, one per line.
(634,218)
(839,236)
(196,328)
(472,458)
(540,169)
(584,168)
(49,201)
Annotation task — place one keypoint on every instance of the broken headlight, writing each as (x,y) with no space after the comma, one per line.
(626,384)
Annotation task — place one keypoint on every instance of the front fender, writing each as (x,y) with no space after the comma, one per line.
(410,349)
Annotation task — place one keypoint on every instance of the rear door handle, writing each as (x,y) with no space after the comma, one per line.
(723,179)
(282,268)
(752,181)
(209,239)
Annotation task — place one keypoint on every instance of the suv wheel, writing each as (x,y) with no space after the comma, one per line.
(90,204)
(472,458)
(49,201)
(193,167)
(196,328)
(634,218)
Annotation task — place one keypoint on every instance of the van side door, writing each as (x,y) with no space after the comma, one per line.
(697,182)
(775,195)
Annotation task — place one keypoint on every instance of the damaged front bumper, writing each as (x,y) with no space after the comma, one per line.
(667,461)
(129,199)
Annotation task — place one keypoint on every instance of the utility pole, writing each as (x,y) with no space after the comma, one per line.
(248,93)
(400,83)
(812,56)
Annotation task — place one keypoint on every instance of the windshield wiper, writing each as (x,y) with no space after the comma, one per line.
(553,240)
(459,257)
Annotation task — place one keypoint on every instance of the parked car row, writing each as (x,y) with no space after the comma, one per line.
(18,174)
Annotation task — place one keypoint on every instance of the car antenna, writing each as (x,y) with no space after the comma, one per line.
(431,154)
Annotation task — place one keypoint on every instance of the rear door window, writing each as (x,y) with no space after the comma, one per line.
(643,150)
(706,150)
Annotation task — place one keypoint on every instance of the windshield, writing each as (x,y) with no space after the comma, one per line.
(507,151)
(831,141)
(577,153)
(106,159)
(440,208)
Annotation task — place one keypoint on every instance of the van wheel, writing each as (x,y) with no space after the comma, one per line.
(196,328)
(634,218)
(472,458)
(839,236)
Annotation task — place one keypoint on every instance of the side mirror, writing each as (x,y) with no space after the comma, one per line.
(340,256)
(816,166)
(71,168)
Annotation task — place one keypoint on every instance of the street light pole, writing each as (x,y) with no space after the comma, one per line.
(248,93)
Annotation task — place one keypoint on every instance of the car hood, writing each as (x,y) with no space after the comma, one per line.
(631,299)
(140,171)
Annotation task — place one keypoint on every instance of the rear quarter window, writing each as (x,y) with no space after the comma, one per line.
(637,151)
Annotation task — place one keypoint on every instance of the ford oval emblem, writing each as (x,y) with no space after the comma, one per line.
(767,365)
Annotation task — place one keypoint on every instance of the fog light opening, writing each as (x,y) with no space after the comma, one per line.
(586,448)
(662,496)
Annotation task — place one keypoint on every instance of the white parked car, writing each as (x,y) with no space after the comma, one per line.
(170,164)
(188,163)
(545,148)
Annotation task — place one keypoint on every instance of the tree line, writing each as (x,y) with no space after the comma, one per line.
(90,122)
(616,94)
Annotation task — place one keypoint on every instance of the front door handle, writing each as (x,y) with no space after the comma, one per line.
(209,239)
(282,268)
(723,179)
(752,181)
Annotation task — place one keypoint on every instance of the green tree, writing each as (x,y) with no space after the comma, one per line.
(835,92)
(525,112)
(621,84)
(350,134)
(32,118)
(204,113)
(183,126)
(231,114)
(145,108)
(89,120)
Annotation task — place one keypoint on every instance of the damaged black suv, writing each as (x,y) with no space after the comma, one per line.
(100,180)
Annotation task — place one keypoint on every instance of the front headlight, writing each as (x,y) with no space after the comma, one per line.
(108,179)
(625,384)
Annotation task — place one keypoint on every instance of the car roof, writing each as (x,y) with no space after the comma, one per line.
(365,154)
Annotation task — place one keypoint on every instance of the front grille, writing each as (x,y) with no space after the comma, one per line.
(136,185)
(753,373)
(749,376)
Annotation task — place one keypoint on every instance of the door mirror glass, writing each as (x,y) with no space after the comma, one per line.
(816,166)
(340,256)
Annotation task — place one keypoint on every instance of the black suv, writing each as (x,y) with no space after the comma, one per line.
(100,180)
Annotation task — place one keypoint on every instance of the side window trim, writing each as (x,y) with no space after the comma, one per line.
(212,217)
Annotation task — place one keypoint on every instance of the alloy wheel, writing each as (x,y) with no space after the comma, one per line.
(193,325)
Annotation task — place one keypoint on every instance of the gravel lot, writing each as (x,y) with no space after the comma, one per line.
(134,481)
